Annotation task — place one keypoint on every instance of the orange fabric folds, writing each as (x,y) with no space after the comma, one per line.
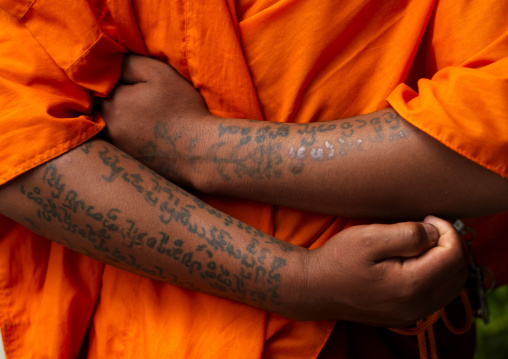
(288,60)
(45,78)
(463,102)
(47,292)
(49,109)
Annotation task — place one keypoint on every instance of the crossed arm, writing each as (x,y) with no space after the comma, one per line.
(102,203)
(375,165)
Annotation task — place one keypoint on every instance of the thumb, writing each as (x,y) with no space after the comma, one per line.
(447,254)
(136,69)
(444,263)
(448,236)
(408,239)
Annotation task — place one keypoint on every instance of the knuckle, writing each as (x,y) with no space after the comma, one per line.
(369,235)
(367,240)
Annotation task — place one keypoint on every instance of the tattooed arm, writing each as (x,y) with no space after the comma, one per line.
(374,165)
(100,202)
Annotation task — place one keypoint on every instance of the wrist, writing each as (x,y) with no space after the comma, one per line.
(318,294)
(298,297)
(197,164)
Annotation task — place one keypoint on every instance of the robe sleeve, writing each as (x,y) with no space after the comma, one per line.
(464,101)
(47,78)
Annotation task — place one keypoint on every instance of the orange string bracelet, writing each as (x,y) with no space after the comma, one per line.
(424,329)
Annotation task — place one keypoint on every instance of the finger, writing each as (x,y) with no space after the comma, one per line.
(441,273)
(136,68)
(442,267)
(447,252)
(448,256)
(448,236)
(409,239)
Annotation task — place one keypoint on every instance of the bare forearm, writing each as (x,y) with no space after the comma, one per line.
(99,202)
(374,165)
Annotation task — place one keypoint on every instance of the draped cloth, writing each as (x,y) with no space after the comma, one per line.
(441,64)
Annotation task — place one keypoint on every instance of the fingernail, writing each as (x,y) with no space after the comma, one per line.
(432,233)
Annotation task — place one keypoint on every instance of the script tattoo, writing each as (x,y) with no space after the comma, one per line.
(166,148)
(317,142)
(90,229)
(262,161)
(259,150)
(345,138)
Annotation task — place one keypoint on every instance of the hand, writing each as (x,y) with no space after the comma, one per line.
(385,275)
(151,100)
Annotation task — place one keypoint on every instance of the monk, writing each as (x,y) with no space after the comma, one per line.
(63,184)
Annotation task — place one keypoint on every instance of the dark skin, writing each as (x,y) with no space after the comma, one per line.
(98,201)
(350,167)
(280,163)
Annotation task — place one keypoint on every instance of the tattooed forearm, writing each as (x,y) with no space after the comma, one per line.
(169,235)
(265,151)
(349,167)
(268,157)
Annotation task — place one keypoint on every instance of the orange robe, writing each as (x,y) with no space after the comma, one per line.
(291,60)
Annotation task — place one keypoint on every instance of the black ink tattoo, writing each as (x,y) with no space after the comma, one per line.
(89,229)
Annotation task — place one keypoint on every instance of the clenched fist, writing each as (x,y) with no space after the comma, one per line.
(384,275)
(153,106)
